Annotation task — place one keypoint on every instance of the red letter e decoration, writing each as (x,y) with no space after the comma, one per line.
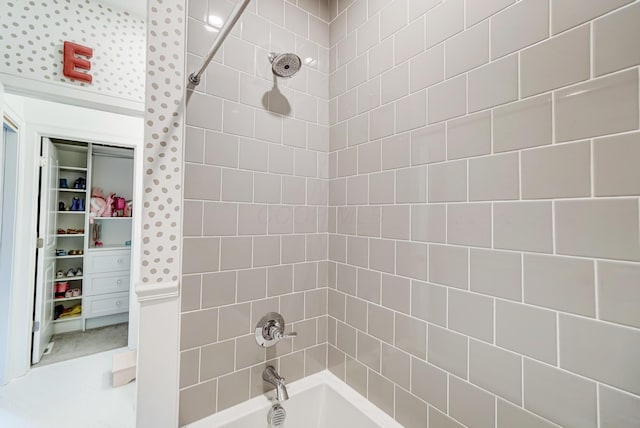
(71,61)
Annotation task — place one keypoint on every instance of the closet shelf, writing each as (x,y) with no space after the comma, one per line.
(110,247)
(70,257)
(72,168)
(77,317)
(71,212)
(61,189)
(68,278)
(66,299)
(69,235)
(113,218)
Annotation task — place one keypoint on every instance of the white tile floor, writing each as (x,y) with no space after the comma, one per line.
(69,394)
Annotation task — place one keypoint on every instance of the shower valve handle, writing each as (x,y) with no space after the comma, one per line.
(270,330)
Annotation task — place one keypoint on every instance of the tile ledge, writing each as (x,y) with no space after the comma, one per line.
(157,291)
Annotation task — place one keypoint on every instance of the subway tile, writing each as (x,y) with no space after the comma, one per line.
(369,351)
(189,367)
(447,100)
(381,57)
(577,395)
(380,392)
(395,83)
(496,273)
(410,411)
(279,280)
(266,188)
(251,284)
(602,106)
(191,335)
(476,323)
(429,302)
(615,41)
(197,402)
(496,370)
(522,124)
(448,265)
(305,276)
(204,111)
(411,112)
(356,375)
(523,226)
(411,259)
(526,330)
(381,122)
(477,10)
(569,13)
(382,255)
(369,221)
(467,50)
(411,185)
(369,285)
(396,293)
(448,350)
(560,283)
(494,84)
(618,292)
(396,151)
(615,161)
(557,62)
(444,21)
(494,177)
(409,41)
(440,420)
(604,228)
(293,249)
(448,182)
(218,289)
(429,383)
(252,219)
(234,321)
(471,405)
(233,389)
(247,353)
(515,416)
(428,144)
(253,155)
(411,335)
(368,34)
(315,359)
(191,292)
(418,8)
(618,409)
(195,175)
(220,219)
(562,171)
(358,130)
(382,188)
(600,351)
(519,26)
(237,185)
(380,323)
(369,157)
(427,68)
(358,190)
(396,365)
(357,72)
(235,253)
(392,18)
(469,224)
(200,255)
(396,222)
(292,366)
(469,136)
(428,223)
(236,116)
(356,313)
(194,145)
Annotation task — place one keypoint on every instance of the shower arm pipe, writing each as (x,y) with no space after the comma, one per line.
(235,14)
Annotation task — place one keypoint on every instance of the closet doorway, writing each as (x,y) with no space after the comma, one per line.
(83,261)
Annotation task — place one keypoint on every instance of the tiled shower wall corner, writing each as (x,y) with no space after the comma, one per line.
(483,220)
(255,202)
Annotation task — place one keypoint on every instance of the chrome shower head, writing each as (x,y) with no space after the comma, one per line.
(285,65)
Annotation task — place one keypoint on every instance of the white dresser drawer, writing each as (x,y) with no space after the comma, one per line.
(108,304)
(96,284)
(108,261)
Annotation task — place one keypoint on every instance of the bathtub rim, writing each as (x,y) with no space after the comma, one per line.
(323,378)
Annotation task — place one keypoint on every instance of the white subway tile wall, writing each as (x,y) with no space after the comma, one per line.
(503,152)
(444,203)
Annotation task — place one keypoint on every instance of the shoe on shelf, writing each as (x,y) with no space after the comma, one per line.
(75,204)
(68,293)
(75,292)
(81,205)
(61,231)
(59,274)
(79,272)
(61,206)
(63,183)
(70,273)
(60,253)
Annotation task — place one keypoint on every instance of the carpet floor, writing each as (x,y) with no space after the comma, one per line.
(67,346)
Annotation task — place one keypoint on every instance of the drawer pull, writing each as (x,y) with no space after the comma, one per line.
(119,282)
(119,261)
(118,303)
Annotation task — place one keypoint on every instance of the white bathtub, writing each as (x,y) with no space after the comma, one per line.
(317,401)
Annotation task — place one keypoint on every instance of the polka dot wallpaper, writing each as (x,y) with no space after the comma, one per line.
(32,33)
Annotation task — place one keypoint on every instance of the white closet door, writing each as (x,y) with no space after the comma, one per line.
(46,267)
